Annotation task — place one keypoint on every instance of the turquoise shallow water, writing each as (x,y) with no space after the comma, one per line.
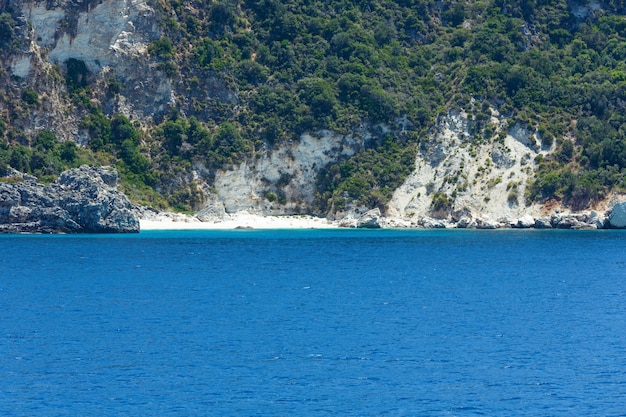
(314,323)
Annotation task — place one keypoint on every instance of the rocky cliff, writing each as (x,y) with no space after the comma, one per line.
(473,172)
(178,72)
(82,200)
(280,181)
(111,38)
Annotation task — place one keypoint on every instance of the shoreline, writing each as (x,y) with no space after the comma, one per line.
(152,220)
(237,221)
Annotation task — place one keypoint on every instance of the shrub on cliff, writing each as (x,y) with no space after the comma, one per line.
(440,203)
(7,30)
(77,75)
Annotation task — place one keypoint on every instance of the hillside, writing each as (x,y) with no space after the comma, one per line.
(415,107)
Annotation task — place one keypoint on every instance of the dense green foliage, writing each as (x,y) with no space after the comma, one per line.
(7,30)
(302,65)
(45,157)
(369,178)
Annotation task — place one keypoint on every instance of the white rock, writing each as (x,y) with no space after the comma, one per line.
(370,220)
(465,222)
(21,67)
(347,223)
(479,174)
(105,34)
(543,224)
(244,187)
(214,212)
(487,224)
(597,220)
(396,223)
(45,22)
(430,223)
(617,219)
(524,222)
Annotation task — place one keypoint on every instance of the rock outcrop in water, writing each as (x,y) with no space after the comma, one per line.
(82,200)
(617,218)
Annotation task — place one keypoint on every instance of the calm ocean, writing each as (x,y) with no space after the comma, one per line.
(314,323)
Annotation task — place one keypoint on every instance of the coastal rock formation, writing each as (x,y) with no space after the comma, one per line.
(487,224)
(370,220)
(524,222)
(430,223)
(468,220)
(289,173)
(543,223)
(485,177)
(82,200)
(478,158)
(617,218)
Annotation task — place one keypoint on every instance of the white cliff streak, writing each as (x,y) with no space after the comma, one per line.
(293,167)
(104,35)
(481,175)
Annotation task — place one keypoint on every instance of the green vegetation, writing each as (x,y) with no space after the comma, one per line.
(77,75)
(369,178)
(440,204)
(301,66)
(7,30)
(30,97)
(44,158)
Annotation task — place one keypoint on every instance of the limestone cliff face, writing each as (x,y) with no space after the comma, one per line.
(472,174)
(464,167)
(482,174)
(478,174)
(282,181)
(99,33)
(111,37)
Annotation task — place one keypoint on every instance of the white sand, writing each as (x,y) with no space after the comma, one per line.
(242,220)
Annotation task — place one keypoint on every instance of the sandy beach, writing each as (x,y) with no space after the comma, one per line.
(243,220)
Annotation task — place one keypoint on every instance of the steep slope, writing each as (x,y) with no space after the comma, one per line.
(485,176)
(417,108)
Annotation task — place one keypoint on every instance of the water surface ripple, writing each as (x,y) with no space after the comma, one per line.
(314,323)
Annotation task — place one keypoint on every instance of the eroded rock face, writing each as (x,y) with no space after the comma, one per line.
(82,200)
(617,219)
(290,171)
(486,177)
(524,222)
(100,33)
(370,220)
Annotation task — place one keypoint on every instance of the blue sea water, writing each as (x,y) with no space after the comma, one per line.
(314,323)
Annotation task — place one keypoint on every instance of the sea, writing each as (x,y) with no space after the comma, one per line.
(314,323)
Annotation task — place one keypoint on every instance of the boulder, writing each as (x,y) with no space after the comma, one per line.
(617,218)
(598,220)
(430,223)
(82,200)
(570,221)
(562,221)
(525,222)
(212,212)
(370,220)
(465,222)
(396,223)
(543,224)
(348,223)
(487,224)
